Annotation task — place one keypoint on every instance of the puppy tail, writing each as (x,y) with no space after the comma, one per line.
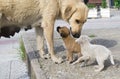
(111,59)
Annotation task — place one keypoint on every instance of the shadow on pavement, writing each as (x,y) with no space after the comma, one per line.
(105,42)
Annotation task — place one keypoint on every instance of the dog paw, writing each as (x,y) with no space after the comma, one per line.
(97,70)
(45,56)
(83,64)
(70,62)
(73,63)
(96,66)
(56,60)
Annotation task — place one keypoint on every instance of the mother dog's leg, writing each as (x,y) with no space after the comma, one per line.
(48,27)
(40,40)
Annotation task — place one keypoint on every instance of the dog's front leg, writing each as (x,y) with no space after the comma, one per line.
(81,59)
(48,27)
(70,56)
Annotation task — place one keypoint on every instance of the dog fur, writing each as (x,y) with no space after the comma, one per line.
(42,14)
(99,52)
(70,44)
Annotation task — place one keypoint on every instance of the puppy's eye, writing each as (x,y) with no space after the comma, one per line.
(77,21)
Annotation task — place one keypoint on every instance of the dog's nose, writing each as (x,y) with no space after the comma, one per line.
(76,35)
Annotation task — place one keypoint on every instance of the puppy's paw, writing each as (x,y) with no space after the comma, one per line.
(83,64)
(45,56)
(70,62)
(74,63)
(56,60)
(97,70)
(96,66)
(77,61)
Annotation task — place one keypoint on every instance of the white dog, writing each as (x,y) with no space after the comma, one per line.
(88,50)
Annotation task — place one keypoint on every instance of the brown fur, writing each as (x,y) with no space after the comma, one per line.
(71,45)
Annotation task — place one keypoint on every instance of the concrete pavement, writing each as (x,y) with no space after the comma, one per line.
(11,65)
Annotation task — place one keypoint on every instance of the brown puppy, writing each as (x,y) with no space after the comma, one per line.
(71,45)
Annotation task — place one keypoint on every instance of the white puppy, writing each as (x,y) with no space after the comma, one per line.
(88,50)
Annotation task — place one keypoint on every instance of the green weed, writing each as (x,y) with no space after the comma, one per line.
(22,49)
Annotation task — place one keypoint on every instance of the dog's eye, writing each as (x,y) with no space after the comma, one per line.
(77,21)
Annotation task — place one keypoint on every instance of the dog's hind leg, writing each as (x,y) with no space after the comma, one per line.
(40,41)
(111,59)
(100,65)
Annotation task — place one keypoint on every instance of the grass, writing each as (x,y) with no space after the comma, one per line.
(22,49)
(92,36)
(91,6)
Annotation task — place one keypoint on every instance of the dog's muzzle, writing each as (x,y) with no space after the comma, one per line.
(75,35)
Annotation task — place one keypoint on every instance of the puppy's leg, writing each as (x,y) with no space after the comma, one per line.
(100,64)
(67,56)
(79,54)
(81,59)
(70,56)
(40,41)
(48,27)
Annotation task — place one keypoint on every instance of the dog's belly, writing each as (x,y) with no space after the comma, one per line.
(19,12)
(20,21)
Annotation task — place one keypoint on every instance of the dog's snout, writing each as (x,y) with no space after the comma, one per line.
(76,35)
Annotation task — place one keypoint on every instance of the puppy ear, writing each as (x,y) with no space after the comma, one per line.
(68,11)
(58,28)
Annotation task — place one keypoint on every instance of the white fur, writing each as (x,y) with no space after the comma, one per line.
(99,52)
